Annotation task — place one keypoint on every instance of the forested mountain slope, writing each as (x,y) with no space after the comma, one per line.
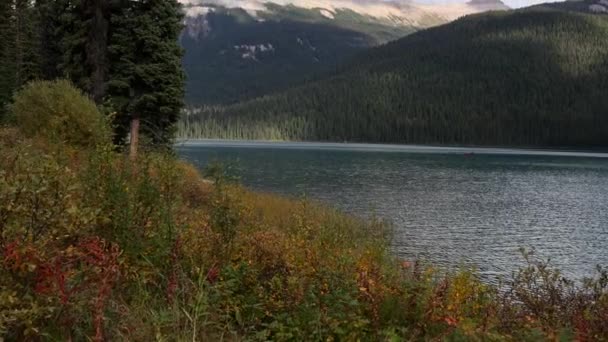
(236,50)
(533,77)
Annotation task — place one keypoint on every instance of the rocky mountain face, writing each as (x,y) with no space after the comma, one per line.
(236,50)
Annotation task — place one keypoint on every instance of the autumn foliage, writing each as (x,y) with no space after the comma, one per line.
(96,247)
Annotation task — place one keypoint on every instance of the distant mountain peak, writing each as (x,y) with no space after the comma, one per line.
(398,12)
(489,5)
(238,49)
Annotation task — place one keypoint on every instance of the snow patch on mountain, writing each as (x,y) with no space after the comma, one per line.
(196,23)
(396,11)
(196,11)
(250,6)
(327,13)
(252,51)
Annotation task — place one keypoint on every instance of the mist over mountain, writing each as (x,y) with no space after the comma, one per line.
(235,50)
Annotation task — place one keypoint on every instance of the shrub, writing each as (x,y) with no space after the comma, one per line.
(94,247)
(58,111)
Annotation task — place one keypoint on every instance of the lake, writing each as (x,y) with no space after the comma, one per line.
(453,207)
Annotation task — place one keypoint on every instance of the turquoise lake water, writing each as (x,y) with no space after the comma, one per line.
(449,206)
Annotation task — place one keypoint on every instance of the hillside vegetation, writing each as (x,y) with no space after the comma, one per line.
(238,50)
(231,55)
(97,246)
(534,77)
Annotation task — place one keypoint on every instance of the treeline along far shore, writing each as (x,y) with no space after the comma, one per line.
(532,77)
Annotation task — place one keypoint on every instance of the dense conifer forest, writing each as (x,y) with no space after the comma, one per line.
(534,77)
(234,54)
(124,54)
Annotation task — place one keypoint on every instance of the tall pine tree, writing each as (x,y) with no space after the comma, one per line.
(7,50)
(26,42)
(83,29)
(19,60)
(48,18)
(125,52)
(146,80)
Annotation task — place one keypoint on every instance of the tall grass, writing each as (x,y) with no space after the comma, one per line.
(96,247)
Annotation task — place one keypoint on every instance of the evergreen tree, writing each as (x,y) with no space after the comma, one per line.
(18,54)
(7,49)
(97,16)
(48,18)
(130,46)
(125,52)
(28,42)
(146,81)
(83,29)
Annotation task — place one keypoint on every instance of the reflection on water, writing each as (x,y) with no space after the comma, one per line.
(451,207)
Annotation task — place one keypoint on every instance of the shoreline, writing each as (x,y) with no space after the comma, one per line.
(395,148)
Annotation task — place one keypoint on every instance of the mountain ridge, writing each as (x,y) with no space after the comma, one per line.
(533,77)
(234,53)
(394,12)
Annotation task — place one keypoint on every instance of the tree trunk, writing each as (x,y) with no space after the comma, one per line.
(47,39)
(8,40)
(19,13)
(96,47)
(134,141)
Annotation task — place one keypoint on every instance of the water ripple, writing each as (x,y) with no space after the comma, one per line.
(447,207)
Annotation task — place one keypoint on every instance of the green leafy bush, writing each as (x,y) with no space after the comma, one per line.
(57,110)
